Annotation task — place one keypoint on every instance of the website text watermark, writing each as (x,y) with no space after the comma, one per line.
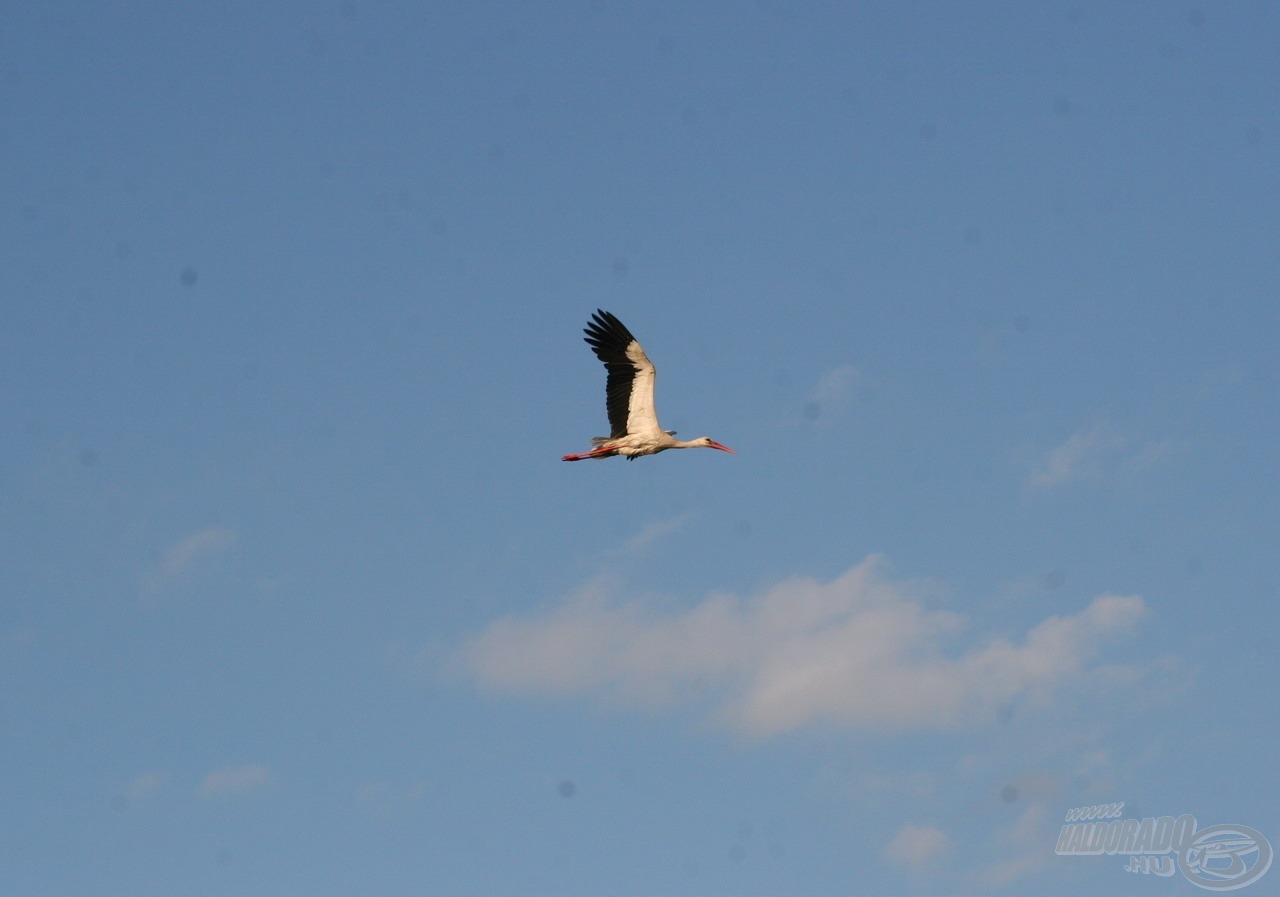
(1217,858)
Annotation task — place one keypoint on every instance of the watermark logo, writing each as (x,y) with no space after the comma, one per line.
(1217,858)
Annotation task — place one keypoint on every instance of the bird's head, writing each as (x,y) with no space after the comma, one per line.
(708,442)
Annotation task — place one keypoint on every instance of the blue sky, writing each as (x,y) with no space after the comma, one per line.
(299,598)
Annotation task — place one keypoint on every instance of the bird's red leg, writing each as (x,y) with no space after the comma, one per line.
(594,453)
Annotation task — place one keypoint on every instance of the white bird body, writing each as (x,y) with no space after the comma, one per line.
(633,420)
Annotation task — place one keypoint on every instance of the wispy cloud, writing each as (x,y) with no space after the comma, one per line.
(1005,872)
(1078,457)
(1093,452)
(180,559)
(146,784)
(834,393)
(917,846)
(1022,844)
(1220,379)
(1015,849)
(234,781)
(856,651)
(386,799)
(654,532)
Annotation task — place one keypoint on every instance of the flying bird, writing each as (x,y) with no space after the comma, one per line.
(633,422)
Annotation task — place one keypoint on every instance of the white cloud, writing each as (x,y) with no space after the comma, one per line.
(856,651)
(233,781)
(1096,451)
(917,846)
(181,558)
(1076,458)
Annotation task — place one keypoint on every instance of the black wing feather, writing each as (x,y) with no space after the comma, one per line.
(608,338)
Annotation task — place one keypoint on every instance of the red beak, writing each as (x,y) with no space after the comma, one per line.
(723,448)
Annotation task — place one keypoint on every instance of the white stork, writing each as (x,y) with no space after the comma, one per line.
(633,422)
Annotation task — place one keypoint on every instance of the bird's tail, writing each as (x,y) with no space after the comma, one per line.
(598,450)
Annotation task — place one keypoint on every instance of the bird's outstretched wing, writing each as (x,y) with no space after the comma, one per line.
(629,388)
